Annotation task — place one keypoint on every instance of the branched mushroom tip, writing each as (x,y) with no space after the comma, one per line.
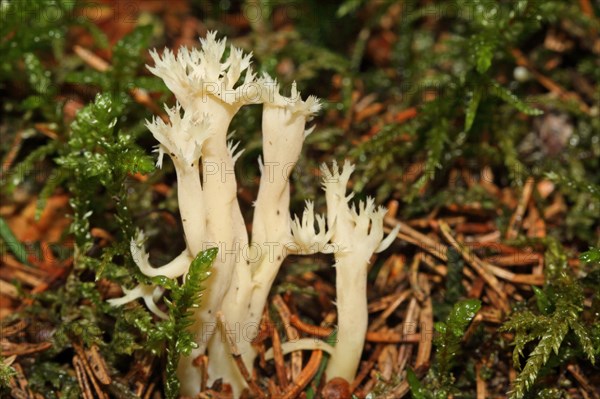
(196,73)
(294,104)
(306,239)
(210,89)
(183,137)
(150,294)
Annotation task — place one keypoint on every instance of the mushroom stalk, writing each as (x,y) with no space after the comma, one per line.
(357,233)
(191,207)
(284,123)
(220,191)
(353,317)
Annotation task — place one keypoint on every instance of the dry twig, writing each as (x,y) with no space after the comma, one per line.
(254,388)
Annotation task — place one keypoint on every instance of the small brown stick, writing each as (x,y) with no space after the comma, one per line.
(481,385)
(528,279)
(584,393)
(472,327)
(12,153)
(139,388)
(305,376)
(258,342)
(367,112)
(82,359)
(384,302)
(385,362)
(97,365)
(10,261)
(380,321)
(536,279)
(517,259)
(273,390)
(27,278)
(587,8)
(254,388)
(392,208)
(278,358)
(408,326)
(202,363)
(489,238)
(366,368)
(9,348)
(19,380)
(392,337)
(150,391)
(438,252)
(475,228)
(142,370)
(426,322)
(142,97)
(451,220)
(405,115)
(474,209)
(372,336)
(398,392)
(414,237)
(583,381)
(491,315)
(8,289)
(291,332)
(437,268)
(477,288)
(414,272)
(82,378)
(309,328)
(476,263)
(9,360)
(517,218)
(536,226)
(19,384)
(390,274)
(548,83)
(421,222)
(91,59)
(46,131)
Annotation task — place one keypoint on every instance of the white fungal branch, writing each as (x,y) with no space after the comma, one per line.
(358,233)
(176,268)
(148,293)
(306,239)
(301,344)
(210,89)
(183,139)
(192,130)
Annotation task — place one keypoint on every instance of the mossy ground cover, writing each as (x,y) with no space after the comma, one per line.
(476,122)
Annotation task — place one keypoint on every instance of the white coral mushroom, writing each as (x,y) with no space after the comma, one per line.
(210,88)
(358,232)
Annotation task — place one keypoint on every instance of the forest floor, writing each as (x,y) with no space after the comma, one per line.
(477,125)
